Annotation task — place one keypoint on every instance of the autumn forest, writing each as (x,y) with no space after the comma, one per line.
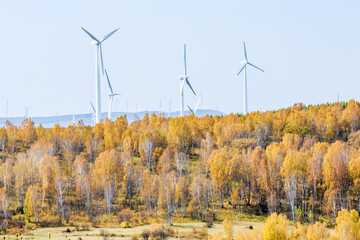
(303,161)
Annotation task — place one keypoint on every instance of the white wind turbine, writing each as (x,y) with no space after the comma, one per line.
(170,102)
(98,59)
(93,115)
(183,79)
(196,107)
(111,95)
(245,63)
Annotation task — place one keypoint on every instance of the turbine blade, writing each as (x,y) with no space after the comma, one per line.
(188,83)
(185,59)
(190,109)
(197,105)
(93,107)
(241,70)
(94,38)
(102,61)
(245,52)
(108,80)
(107,36)
(255,67)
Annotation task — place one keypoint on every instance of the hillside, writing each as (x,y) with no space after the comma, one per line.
(302,161)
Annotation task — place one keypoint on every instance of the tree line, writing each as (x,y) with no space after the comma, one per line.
(303,161)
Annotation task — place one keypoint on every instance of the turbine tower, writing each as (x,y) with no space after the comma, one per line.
(111,95)
(98,61)
(170,102)
(183,79)
(73,117)
(244,67)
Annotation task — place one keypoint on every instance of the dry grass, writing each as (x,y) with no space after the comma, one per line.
(58,233)
(189,230)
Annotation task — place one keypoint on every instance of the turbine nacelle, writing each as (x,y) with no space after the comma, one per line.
(184,77)
(243,62)
(114,94)
(94,42)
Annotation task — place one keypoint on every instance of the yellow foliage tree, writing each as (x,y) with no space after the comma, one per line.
(227,226)
(217,236)
(298,233)
(32,204)
(275,227)
(318,231)
(348,225)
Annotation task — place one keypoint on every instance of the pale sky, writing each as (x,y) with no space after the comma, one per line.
(309,50)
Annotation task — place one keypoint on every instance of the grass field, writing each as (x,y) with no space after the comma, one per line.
(181,229)
(126,233)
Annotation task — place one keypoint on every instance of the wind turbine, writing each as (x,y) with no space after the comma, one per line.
(93,115)
(245,63)
(26,112)
(196,107)
(98,61)
(170,102)
(111,95)
(183,79)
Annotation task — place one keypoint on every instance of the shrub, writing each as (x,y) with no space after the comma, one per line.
(124,215)
(317,231)
(275,227)
(125,224)
(134,237)
(227,225)
(30,226)
(5,224)
(162,232)
(217,236)
(254,234)
(201,233)
(78,220)
(18,221)
(133,218)
(311,216)
(49,220)
(145,234)
(14,231)
(298,233)
(242,235)
(105,221)
(299,214)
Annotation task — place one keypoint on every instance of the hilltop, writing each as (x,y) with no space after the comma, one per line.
(66,120)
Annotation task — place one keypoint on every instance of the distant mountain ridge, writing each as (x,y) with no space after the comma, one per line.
(66,120)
